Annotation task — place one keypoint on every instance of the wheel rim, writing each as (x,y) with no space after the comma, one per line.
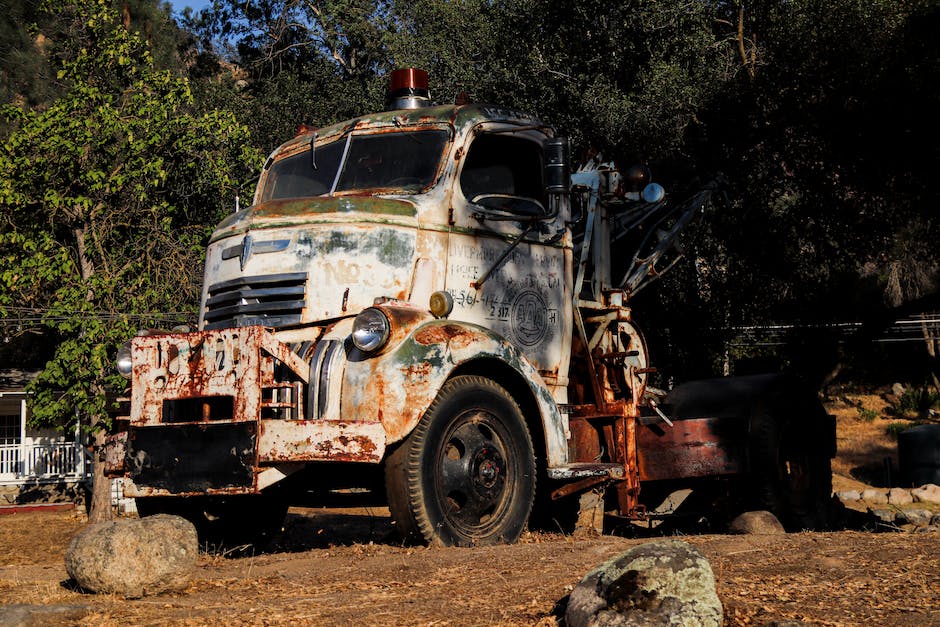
(472,475)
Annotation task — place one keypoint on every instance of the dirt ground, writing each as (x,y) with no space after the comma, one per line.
(335,566)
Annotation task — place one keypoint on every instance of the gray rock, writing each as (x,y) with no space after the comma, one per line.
(935,520)
(928,493)
(897,389)
(884,515)
(666,582)
(134,558)
(875,496)
(899,496)
(849,495)
(22,615)
(920,517)
(756,523)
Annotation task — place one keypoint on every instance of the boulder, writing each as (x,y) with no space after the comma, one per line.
(888,516)
(756,523)
(875,496)
(919,517)
(666,582)
(847,496)
(899,496)
(928,493)
(134,558)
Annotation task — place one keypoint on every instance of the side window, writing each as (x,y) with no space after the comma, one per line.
(503,165)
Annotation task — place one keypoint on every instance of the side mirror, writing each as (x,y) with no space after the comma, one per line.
(557,165)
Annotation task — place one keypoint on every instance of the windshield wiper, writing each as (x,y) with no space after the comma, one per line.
(342,164)
(313,151)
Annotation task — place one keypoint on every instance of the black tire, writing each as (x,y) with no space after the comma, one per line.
(791,473)
(224,522)
(465,476)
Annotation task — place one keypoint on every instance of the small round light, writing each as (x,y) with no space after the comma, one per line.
(370,330)
(653,192)
(442,303)
(123,362)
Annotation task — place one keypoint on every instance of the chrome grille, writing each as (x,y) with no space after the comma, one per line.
(272,300)
(321,369)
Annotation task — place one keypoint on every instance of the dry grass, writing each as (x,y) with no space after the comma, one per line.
(344,567)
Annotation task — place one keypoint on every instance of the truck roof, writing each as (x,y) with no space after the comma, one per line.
(460,117)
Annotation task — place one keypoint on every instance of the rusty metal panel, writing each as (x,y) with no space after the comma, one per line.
(397,387)
(695,447)
(191,459)
(320,440)
(525,298)
(206,364)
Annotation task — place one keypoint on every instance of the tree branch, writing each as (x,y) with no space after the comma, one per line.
(748,65)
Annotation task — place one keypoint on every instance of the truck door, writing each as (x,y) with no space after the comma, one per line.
(523,295)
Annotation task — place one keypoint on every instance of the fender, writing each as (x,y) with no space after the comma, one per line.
(397,385)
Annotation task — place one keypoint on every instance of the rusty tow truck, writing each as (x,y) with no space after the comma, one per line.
(424,298)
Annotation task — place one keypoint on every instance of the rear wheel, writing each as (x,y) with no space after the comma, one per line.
(466,474)
(791,474)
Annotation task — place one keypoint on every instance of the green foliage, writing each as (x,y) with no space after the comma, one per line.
(107,197)
(915,400)
(625,78)
(34,41)
(866,414)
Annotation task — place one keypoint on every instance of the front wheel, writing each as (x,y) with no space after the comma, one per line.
(466,474)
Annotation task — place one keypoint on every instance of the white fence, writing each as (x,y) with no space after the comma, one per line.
(26,463)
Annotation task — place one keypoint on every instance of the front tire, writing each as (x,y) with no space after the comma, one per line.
(465,476)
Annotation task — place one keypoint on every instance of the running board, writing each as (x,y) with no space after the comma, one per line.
(580,470)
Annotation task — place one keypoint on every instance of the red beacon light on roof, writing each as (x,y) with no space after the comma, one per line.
(408,89)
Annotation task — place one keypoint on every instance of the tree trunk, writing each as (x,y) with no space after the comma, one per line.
(932,339)
(100,505)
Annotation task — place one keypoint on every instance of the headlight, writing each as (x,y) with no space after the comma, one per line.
(370,330)
(123,361)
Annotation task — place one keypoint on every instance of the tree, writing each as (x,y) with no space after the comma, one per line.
(107,197)
(311,62)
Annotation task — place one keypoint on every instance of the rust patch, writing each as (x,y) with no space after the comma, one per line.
(696,447)
(453,334)
(417,372)
(317,440)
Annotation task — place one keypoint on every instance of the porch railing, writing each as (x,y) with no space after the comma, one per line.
(23,463)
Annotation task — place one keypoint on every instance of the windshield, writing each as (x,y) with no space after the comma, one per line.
(404,161)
